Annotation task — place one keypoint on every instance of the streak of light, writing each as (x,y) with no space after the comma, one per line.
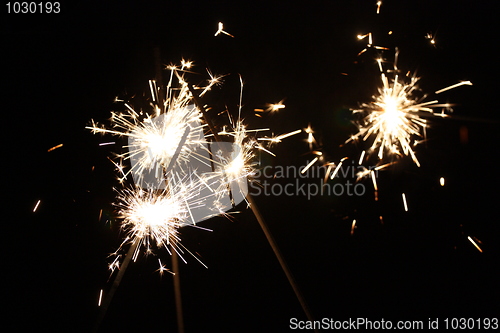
(100,298)
(107,143)
(36,206)
(55,147)
(462,83)
(309,165)
(404,202)
(362,157)
(353,226)
(441,181)
(337,168)
(374,180)
(475,244)
(280,137)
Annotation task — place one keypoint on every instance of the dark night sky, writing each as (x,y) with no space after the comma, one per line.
(62,70)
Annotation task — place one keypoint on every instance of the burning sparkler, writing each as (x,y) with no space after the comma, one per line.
(153,219)
(395,117)
(153,140)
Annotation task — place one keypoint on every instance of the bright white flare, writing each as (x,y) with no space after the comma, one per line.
(154,139)
(395,116)
(152,218)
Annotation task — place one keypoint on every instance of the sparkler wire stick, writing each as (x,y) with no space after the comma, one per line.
(262,223)
(133,248)
(174,256)
(177,289)
(130,255)
(116,283)
(279,256)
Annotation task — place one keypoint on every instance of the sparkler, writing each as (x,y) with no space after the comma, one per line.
(154,138)
(161,145)
(395,116)
(153,219)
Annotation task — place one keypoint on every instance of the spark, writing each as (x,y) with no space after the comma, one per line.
(441,181)
(55,147)
(154,91)
(374,180)
(404,202)
(163,269)
(275,107)
(310,137)
(278,138)
(379,3)
(107,143)
(353,226)
(475,244)
(186,64)
(214,80)
(327,173)
(361,157)
(462,83)
(431,38)
(369,43)
(115,264)
(36,206)
(220,30)
(309,165)
(337,168)
(100,298)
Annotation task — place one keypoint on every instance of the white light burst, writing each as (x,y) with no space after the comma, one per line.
(394,119)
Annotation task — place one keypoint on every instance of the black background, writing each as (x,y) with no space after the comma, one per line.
(59,71)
